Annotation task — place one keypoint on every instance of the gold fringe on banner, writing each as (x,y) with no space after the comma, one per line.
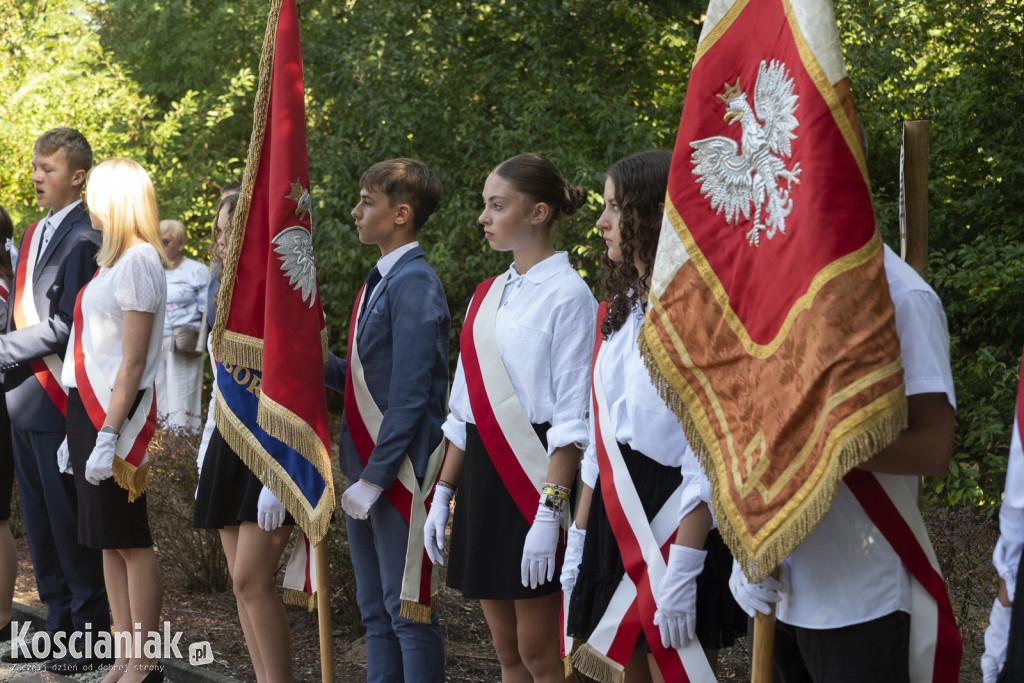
(299,599)
(420,613)
(313,521)
(252,165)
(290,429)
(132,479)
(593,664)
(240,349)
(880,423)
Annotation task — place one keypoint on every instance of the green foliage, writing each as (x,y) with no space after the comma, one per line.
(464,85)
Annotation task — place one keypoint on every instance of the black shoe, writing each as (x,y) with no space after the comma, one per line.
(5,632)
(24,656)
(69,664)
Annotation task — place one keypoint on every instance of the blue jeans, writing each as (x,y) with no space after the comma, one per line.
(397,649)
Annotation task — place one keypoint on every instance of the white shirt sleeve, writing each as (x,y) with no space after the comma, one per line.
(139,283)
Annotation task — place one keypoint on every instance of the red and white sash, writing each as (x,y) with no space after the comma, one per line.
(131,464)
(935,645)
(517,453)
(47,369)
(300,574)
(644,547)
(412,500)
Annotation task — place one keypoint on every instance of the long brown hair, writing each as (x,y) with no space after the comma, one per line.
(640,181)
(538,179)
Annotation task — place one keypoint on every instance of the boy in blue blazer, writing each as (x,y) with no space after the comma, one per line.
(395,382)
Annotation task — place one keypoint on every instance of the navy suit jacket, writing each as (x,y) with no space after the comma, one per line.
(402,337)
(66,266)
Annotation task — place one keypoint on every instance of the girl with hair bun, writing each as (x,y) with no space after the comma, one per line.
(518,412)
(633,431)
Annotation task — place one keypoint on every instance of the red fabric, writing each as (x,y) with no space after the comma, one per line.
(832,214)
(641,612)
(265,305)
(51,385)
(504,458)
(890,522)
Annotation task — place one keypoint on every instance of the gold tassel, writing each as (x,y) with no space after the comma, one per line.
(418,612)
(132,479)
(299,599)
(593,664)
(313,521)
(240,349)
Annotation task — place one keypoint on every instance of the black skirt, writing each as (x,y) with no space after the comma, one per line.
(228,490)
(6,460)
(106,519)
(719,618)
(488,531)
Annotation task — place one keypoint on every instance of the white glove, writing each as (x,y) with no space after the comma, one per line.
(359,498)
(676,616)
(754,597)
(573,557)
(64,458)
(996,636)
(1006,559)
(538,565)
(100,464)
(437,520)
(269,510)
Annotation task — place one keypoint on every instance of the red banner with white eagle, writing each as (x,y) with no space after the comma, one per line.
(770,329)
(269,338)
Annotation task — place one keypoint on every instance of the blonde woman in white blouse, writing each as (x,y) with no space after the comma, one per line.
(110,368)
(534,326)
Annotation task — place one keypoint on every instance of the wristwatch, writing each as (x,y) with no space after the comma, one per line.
(553,500)
(107,429)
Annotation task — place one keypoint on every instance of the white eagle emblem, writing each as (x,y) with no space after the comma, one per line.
(295,247)
(735,179)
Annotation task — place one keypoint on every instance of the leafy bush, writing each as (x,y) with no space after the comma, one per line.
(193,556)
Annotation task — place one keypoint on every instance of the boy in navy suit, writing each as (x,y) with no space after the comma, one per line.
(395,382)
(57,259)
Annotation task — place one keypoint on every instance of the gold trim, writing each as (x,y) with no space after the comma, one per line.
(828,92)
(852,442)
(299,599)
(252,165)
(418,612)
(314,522)
(592,663)
(293,431)
(719,30)
(239,349)
(851,261)
(132,479)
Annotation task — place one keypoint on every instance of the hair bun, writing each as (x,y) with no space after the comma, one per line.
(575,197)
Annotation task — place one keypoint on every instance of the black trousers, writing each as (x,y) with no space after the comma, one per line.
(1013,669)
(877,651)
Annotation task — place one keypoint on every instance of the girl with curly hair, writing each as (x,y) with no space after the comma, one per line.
(648,443)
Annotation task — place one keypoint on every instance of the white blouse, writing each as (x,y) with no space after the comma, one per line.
(1011,515)
(846,572)
(186,295)
(545,332)
(135,283)
(642,419)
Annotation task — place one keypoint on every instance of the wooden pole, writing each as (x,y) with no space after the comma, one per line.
(323,607)
(914,238)
(763,647)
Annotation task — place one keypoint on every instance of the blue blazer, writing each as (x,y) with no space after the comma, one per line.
(66,266)
(403,346)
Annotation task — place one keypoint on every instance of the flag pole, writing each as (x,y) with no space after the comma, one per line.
(323,608)
(915,194)
(763,648)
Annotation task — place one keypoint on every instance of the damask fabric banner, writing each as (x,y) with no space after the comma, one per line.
(269,338)
(770,330)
